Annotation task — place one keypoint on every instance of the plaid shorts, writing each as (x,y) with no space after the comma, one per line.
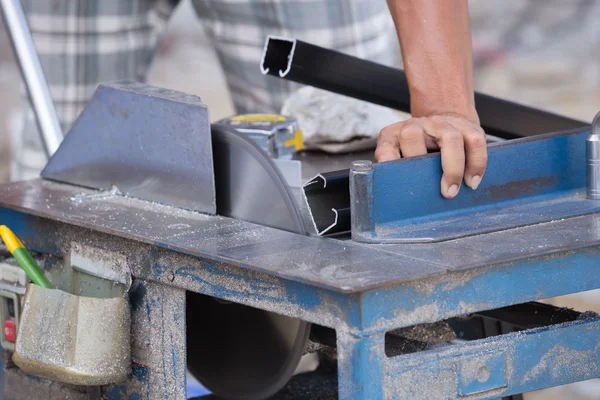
(82,43)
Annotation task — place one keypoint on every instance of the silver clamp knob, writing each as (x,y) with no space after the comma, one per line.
(593,160)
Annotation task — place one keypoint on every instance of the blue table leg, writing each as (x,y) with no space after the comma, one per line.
(361,366)
(158,345)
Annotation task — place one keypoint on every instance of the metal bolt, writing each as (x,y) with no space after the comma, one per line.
(483,374)
(171,276)
(362,165)
(76,247)
(593,160)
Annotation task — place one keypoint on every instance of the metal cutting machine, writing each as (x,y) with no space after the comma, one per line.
(178,248)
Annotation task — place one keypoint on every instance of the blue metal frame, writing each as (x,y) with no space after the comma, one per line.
(499,366)
(361,320)
(527,181)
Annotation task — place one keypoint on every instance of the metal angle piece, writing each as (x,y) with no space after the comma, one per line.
(294,60)
(236,351)
(150,143)
(528,181)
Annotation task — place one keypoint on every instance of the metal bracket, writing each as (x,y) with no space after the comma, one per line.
(528,181)
(150,143)
(100,263)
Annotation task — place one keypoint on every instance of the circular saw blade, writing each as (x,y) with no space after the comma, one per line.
(249,186)
(236,351)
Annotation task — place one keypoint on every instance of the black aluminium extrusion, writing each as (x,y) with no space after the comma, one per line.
(330,70)
(328,198)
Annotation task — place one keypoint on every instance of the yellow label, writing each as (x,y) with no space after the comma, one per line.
(296,141)
(258,118)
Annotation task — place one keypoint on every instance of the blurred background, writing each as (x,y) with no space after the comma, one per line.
(537,52)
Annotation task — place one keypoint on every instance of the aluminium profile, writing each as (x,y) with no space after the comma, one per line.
(328,199)
(330,70)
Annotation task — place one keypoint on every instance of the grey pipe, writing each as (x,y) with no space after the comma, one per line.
(33,74)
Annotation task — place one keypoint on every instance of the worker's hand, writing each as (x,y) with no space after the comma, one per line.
(461,141)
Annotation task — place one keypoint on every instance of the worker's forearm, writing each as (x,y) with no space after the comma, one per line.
(437,50)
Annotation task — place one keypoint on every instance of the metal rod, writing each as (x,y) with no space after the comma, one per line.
(33,74)
(365,80)
(592,144)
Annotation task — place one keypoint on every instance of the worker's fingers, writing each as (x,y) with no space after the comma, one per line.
(405,139)
(452,148)
(411,138)
(475,148)
(431,143)
(461,142)
(388,148)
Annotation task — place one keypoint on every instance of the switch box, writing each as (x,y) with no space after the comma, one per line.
(9,318)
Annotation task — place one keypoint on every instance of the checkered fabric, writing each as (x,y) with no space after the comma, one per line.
(82,43)
(238,30)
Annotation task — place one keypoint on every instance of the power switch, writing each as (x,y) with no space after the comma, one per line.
(9,317)
(10,331)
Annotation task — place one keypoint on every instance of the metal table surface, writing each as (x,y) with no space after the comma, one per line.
(339,265)
(362,291)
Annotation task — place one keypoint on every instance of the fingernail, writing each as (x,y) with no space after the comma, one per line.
(453,191)
(475,181)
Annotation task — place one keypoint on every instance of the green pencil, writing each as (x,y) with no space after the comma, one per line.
(24,258)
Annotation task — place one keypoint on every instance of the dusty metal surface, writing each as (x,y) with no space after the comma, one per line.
(100,263)
(361,319)
(339,265)
(323,262)
(158,345)
(506,246)
(299,276)
(166,155)
(499,366)
(73,339)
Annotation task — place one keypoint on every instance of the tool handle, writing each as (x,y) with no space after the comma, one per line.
(29,265)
